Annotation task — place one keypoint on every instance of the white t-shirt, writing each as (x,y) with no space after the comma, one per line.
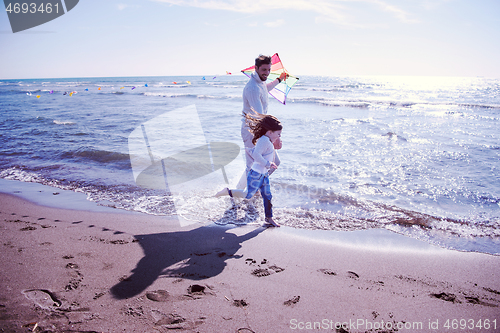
(263,154)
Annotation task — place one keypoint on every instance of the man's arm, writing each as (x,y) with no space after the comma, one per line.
(271,85)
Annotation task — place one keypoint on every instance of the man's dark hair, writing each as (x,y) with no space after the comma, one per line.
(262,60)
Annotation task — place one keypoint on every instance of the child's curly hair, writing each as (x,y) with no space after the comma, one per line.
(259,124)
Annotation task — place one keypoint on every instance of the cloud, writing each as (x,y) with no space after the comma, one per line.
(336,11)
(400,14)
(433,4)
(123,6)
(275,24)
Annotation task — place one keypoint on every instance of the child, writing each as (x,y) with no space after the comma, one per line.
(266,131)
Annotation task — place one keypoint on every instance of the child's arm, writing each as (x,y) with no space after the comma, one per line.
(277,160)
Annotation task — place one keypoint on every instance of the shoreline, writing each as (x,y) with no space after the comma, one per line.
(48,196)
(113,271)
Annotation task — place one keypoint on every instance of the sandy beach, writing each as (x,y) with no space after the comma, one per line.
(82,271)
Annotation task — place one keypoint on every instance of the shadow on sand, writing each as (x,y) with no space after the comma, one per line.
(195,254)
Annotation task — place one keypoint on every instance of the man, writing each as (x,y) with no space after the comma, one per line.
(256,99)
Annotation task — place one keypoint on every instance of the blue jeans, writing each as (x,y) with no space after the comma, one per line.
(258,181)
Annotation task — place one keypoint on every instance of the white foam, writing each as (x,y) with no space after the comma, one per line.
(51,197)
(61,122)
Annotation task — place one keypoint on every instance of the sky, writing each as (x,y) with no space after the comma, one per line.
(118,38)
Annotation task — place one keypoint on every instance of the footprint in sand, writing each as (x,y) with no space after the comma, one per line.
(29,228)
(240,303)
(43,298)
(260,272)
(168,320)
(250,261)
(353,275)
(292,301)
(492,290)
(276,268)
(98,295)
(76,277)
(173,321)
(327,271)
(196,289)
(447,297)
(158,295)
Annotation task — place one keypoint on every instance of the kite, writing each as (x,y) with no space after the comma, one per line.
(283,88)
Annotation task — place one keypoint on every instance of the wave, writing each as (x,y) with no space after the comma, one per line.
(122,196)
(100,156)
(362,103)
(326,101)
(346,87)
(334,211)
(188,95)
(480,106)
(30,91)
(330,102)
(346,213)
(60,122)
(178,85)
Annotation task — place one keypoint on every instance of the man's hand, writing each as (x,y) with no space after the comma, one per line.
(283,76)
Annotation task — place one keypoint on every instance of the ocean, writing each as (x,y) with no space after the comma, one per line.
(419,156)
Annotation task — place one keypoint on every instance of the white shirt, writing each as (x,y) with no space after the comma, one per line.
(256,95)
(263,154)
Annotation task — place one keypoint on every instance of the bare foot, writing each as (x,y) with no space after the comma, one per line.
(270,221)
(222,192)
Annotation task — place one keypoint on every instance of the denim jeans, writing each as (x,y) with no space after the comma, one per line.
(258,181)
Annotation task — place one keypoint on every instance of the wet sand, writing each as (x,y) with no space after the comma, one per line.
(83,271)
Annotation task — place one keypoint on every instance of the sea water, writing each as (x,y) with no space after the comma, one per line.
(418,156)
